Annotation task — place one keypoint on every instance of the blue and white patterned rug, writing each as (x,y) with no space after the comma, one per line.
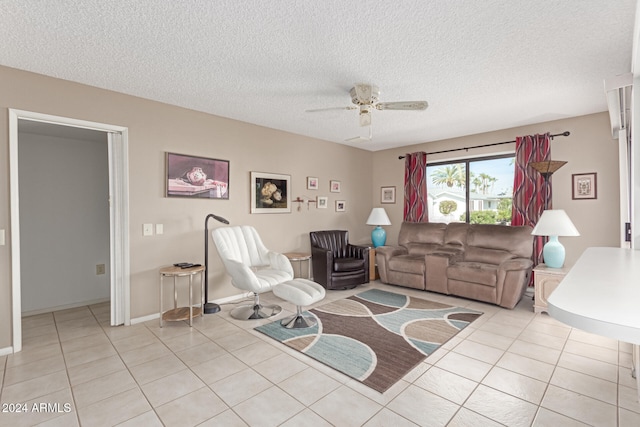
(375,337)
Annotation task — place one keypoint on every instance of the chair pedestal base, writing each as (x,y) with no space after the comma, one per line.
(253,312)
(298,321)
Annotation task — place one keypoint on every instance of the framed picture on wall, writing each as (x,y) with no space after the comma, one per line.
(335,186)
(312,183)
(322,202)
(584,186)
(341,206)
(270,193)
(387,194)
(196,177)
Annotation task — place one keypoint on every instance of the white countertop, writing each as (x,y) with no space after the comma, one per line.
(601,294)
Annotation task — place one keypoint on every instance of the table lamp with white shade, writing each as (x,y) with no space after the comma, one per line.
(554,223)
(378,217)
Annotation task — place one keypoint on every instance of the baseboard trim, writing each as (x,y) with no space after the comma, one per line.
(145,318)
(220,301)
(5,351)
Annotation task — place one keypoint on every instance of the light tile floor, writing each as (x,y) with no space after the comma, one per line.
(510,367)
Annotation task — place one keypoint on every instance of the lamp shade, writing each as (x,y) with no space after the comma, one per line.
(547,167)
(555,222)
(378,216)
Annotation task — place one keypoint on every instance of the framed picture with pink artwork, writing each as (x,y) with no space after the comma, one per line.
(196,177)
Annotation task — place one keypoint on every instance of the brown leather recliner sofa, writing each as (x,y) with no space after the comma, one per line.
(490,263)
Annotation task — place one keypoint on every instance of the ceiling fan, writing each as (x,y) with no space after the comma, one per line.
(365,98)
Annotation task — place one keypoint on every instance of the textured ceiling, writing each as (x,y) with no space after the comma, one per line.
(481,65)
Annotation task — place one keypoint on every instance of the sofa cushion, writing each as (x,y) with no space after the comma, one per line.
(518,241)
(407,263)
(347,264)
(456,234)
(474,272)
(422,232)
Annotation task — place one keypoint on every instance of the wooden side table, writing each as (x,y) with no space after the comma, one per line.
(546,280)
(181,313)
(299,257)
(373,267)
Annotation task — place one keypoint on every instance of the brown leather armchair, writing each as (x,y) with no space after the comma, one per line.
(336,263)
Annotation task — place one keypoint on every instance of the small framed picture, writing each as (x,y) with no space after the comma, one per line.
(341,206)
(387,194)
(585,186)
(335,186)
(312,183)
(322,202)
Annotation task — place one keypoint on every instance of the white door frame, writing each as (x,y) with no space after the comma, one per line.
(118,215)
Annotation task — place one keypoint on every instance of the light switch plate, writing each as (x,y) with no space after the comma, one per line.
(147,229)
(159,229)
(1,237)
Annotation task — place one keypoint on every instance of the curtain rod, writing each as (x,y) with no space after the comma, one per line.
(565,133)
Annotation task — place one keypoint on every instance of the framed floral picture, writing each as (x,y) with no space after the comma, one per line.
(196,177)
(584,186)
(322,202)
(335,186)
(270,193)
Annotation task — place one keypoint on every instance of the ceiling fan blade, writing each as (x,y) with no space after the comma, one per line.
(402,105)
(331,109)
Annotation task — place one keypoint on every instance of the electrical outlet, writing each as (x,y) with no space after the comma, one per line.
(100,269)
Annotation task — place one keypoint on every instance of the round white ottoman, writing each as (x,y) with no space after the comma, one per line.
(301,292)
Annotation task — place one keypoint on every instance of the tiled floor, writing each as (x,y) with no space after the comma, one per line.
(510,367)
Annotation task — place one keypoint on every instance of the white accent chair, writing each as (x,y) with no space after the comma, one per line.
(252,267)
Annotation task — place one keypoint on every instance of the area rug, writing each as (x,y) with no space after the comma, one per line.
(375,337)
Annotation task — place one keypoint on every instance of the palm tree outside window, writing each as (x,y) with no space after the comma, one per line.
(477,191)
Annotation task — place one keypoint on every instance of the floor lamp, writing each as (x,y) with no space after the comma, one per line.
(209,307)
(546,169)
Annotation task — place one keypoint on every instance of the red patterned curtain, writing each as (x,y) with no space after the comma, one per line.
(415,188)
(529,191)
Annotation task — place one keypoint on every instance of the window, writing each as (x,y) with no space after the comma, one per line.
(478,191)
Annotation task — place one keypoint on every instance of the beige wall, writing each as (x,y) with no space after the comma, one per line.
(156,128)
(589,148)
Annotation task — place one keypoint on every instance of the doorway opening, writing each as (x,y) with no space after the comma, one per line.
(118,263)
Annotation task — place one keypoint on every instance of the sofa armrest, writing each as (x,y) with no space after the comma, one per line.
(360,252)
(322,264)
(390,251)
(436,265)
(516,264)
(383,255)
(280,262)
(513,279)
